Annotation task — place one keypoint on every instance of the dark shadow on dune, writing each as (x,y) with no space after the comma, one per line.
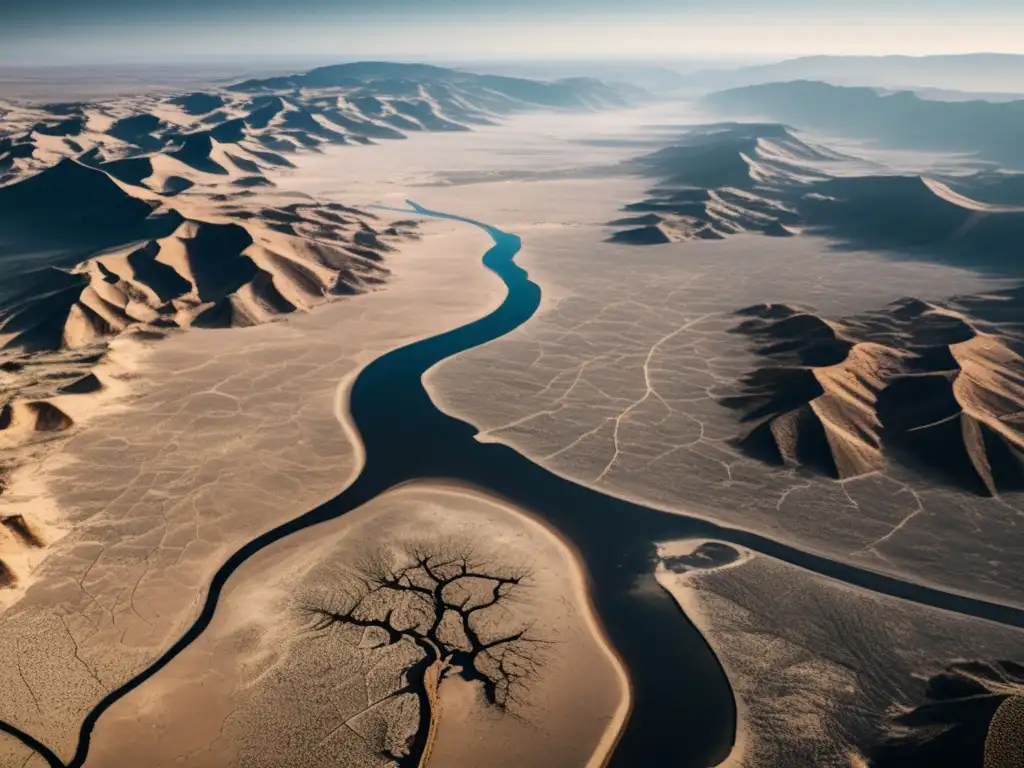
(175,185)
(253,181)
(195,152)
(68,202)
(901,120)
(7,579)
(198,103)
(214,253)
(726,178)
(34,313)
(71,127)
(48,417)
(85,385)
(138,130)
(935,387)
(131,170)
(683,713)
(950,727)
(18,527)
(161,278)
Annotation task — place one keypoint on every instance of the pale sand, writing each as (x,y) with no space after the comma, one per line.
(616,383)
(26,492)
(468,706)
(229,434)
(815,665)
(254,690)
(610,316)
(225,437)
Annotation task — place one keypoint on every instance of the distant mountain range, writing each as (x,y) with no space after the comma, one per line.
(657,79)
(990,72)
(495,92)
(991,131)
(137,216)
(727,178)
(356,103)
(933,386)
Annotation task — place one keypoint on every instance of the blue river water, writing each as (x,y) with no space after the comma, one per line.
(683,710)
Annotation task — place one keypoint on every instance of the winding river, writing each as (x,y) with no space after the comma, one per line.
(683,712)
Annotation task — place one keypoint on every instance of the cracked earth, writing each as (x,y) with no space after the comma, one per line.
(230,440)
(814,671)
(277,694)
(616,383)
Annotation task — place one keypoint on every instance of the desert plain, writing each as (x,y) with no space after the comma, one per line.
(394,415)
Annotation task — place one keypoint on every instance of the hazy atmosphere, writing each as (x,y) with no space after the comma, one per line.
(62,31)
(547,384)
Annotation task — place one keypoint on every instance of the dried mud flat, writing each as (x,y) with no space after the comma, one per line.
(227,440)
(617,383)
(619,380)
(264,669)
(834,676)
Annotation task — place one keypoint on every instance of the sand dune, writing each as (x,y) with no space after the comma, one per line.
(724,179)
(350,104)
(936,387)
(971,715)
(142,216)
(175,279)
(917,212)
(721,180)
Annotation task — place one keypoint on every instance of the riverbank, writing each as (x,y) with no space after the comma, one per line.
(818,667)
(258,673)
(405,437)
(573,571)
(228,434)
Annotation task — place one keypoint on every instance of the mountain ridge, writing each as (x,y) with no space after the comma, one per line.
(1003,72)
(902,120)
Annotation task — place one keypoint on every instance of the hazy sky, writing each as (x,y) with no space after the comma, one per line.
(63,31)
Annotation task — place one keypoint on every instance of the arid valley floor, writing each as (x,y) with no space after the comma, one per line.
(300,467)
